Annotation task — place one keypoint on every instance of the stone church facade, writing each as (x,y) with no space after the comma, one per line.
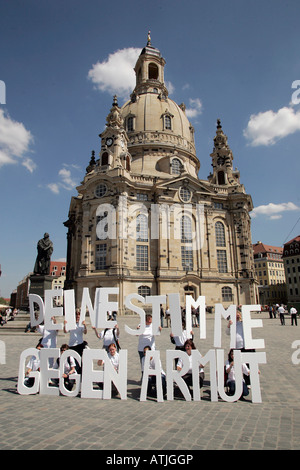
(144,222)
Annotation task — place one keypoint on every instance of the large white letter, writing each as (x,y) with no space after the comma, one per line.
(219,313)
(175,314)
(76,377)
(253,359)
(238,375)
(156,301)
(248,324)
(69,307)
(89,375)
(103,305)
(156,372)
(200,302)
(175,375)
(51,311)
(138,310)
(119,379)
(46,373)
(22,389)
(36,299)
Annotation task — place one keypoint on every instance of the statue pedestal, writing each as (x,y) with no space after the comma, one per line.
(40,283)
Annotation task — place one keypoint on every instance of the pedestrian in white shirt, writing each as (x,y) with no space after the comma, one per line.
(281,312)
(293,313)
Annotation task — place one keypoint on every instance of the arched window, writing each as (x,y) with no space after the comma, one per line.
(144,290)
(153,72)
(127,163)
(104,159)
(142,228)
(227,294)
(221,178)
(186,229)
(220,234)
(187,258)
(176,166)
(130,122)
(168,123)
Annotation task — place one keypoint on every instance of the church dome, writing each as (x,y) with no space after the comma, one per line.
(149,118)
(152,120)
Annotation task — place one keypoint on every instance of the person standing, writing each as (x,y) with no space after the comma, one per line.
(293,313)
(281,312)
(147,338)
(109,336)
(76,337)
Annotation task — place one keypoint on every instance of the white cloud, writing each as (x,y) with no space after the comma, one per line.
(53,187)
(65,179)
(274,211)
(115,74)
(29,164)
(195,108)
(15,142)
(266,128)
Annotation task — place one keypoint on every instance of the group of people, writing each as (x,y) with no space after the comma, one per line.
(7,315)
(146,342)
(165,315)
(282,310)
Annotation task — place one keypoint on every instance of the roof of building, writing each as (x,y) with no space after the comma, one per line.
(260,247)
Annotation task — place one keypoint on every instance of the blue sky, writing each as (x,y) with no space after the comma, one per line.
(235,60)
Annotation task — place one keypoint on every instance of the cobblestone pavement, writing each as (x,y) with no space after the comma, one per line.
(49,422)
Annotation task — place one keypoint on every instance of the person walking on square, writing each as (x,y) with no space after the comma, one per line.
(281,312)
(293,313)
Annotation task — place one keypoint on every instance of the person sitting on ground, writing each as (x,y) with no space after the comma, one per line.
(229,367)
(69,368)
(33,365)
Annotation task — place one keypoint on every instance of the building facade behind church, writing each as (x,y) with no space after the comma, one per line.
(144,222)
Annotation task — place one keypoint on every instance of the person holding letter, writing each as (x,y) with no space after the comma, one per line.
(188,377)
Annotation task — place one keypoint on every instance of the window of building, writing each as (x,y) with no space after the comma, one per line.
(227,294)
(144,290)
(185,194)
(142,197)
(104,159)
(100,190)
(222,261)
(176,166)
(104,229)
(100,258)
(153,72)
(168,123)
(142,228)
(221,177)
(187,257)
(186,229)
(142,257)
(220,234)
(130,124)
